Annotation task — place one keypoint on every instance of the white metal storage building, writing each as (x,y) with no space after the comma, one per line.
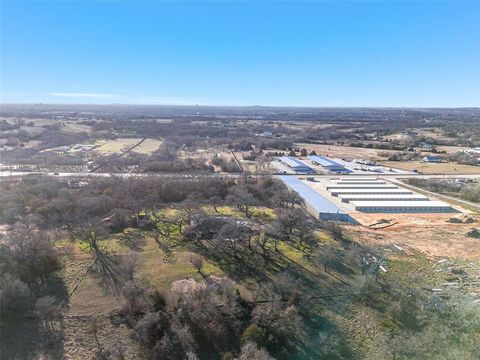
(351,178)
(353,182)
(385,197)
(328,164)
(402,206)
(316,204)
(296,165)
(336,192)
(380,186)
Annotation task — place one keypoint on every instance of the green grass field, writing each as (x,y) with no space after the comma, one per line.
(158,266)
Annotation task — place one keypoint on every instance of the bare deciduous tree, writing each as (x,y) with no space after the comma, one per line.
(197,263)
(251,351)
(48,311)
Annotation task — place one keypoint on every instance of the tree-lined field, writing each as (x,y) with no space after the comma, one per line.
(213,268)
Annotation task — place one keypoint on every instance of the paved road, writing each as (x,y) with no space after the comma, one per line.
(17,174)
(6,174)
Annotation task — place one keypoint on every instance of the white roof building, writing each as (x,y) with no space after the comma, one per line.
(402,206)
(383,197)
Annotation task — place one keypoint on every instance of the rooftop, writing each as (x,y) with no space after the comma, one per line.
(403,204)
(384,197)
(370,191)
(294,163)
(324,161)
(360,186)
(313,198)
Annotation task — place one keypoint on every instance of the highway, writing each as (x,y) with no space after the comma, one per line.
(16,174)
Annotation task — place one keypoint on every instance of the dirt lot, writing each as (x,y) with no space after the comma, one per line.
(430,234)
(344,151)
(428,168)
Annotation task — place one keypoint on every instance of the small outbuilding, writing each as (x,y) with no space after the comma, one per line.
(432,159)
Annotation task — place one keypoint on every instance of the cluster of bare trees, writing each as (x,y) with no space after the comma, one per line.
(206,320)
(164,159)
(55,204)
(187,326)
(28,267)
(463,190)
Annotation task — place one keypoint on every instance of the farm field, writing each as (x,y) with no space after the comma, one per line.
(432,168)
(198,153)
(452,149)
(344,151)
(148,146)
(118,146)
(75,127)
(431,133)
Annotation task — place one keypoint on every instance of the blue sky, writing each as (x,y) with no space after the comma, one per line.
(241,53)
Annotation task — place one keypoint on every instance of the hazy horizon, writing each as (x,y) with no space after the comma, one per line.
(237,106)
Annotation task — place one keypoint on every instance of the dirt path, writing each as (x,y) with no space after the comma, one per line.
(238,162)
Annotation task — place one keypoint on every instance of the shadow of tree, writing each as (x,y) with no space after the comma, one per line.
(134,242)
(19,337)
(25,337)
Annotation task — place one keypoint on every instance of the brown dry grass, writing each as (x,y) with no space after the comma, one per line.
(344,151)
(452,149)
(431,169)
(79,342)
(148,146)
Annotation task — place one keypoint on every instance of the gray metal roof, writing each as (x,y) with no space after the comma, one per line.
(363,178)
(313,198)
(369,191)
(324,161)
(362,186)
(352,182)
(384,197)
(402,204)
(294,163)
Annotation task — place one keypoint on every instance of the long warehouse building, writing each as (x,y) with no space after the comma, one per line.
(370,182)
(296,165)
(351,178)
(337,192)
(316,204)
(380,186)
(329,165)
(385,197)
(402,207)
